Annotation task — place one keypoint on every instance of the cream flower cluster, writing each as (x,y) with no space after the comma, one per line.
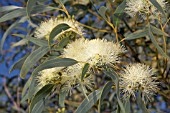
(143,7)
(138,77)
(96,52)
(45,28)
(68,78)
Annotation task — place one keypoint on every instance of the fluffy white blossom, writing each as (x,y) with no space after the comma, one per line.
(49,76)
(143,7)
(45,28)
(138,77)
(96,52)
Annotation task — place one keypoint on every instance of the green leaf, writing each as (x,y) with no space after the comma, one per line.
(29,7)
(57,30)
(64,42)
(115,78)
(84,71)
(8,8)
(39,106)
(102,12)
(62,97)
(151,36)
(157,31)
(8,31)
(41,9)
(119,12)
(136,35)
(26,86)
(157,5)
(104,93)
(127,106)
(13,14)
(86,105)
(32,60)
(141,103)
(42,93)
(36,41)
(19,63)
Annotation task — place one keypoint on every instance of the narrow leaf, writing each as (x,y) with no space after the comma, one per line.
(86,105)
(104,93)
(8,8)
(158,6)
(32,60)
(136,35)
(38,108)
(141,103)
(57,30)
(84,71)
(102,12)
(42,93)
(19,63)
(157,31)
(62,97)
(151,36)
(13,14)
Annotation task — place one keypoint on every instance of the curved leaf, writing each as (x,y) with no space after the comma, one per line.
(19,63)
(136,35)
(85,106)
(8,8)
(42,93)
(151,36)
(102,12)
(38,108)
(58,29)
(104,93)
(17,23)
(84,71)
(32,60)
(13,14)
(62,97)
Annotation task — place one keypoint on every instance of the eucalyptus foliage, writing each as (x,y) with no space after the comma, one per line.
(49,43)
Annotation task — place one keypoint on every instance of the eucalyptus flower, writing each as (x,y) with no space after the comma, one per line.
(45,28)
(143,7)
(138,77)
(96,52)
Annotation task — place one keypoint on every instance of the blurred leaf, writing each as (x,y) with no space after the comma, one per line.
(127,106)
(8,31)
(102,12)
(119,12)
(13,14)
(141,104)
(84,71)
(157,5)
(62,97)
(32,60)
(136,35)
(26,86)
(104,93)
(19,63)
(42,8)
(8,8)
(39,106)
(20,43)
(36,41)
(42,93)
(57,30)
(86,105)
(157,31)
(151,36)
(64,42)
